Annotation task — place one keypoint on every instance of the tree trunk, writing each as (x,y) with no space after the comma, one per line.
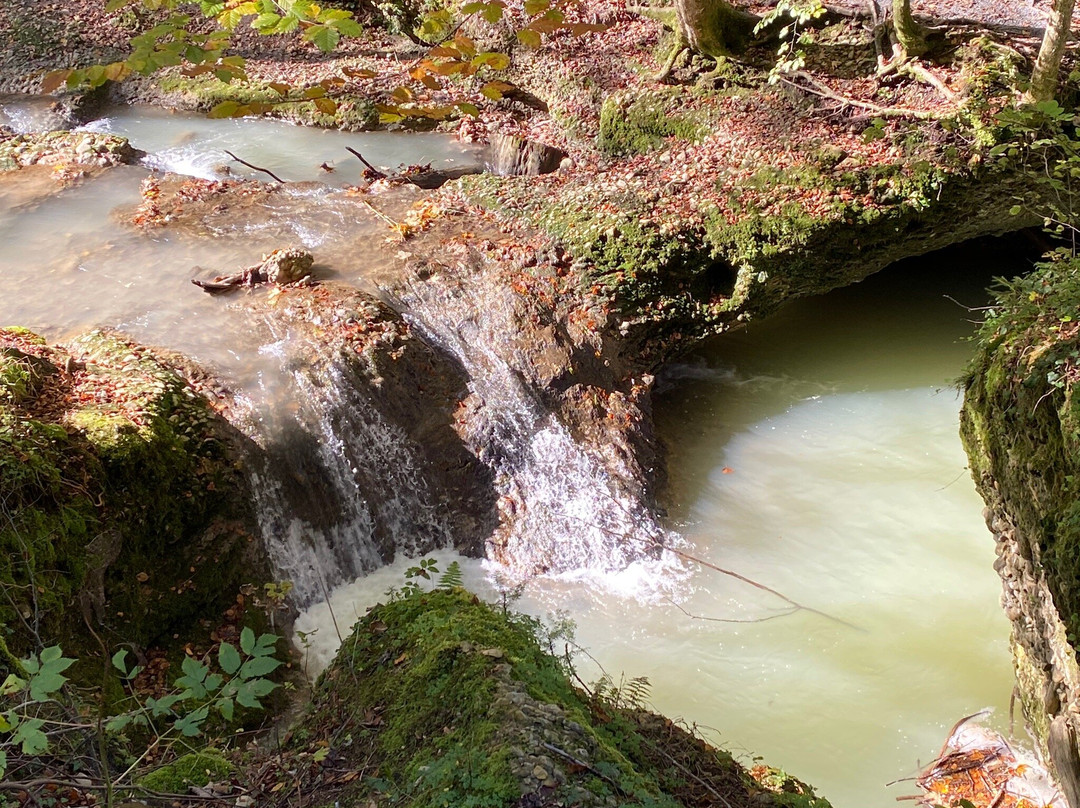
(910,37)
(1044,76)
(715,27)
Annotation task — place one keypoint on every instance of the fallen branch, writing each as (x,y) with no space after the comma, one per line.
(796,606)
(693,616)
(817,88)
(254,167)
(380,175)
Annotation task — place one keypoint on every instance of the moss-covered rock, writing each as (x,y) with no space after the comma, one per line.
(1021,428)
(449,701)
(635,124)
(122,503)
(192,769)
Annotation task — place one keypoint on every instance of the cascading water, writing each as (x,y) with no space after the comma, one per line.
(338,491)
(564,507)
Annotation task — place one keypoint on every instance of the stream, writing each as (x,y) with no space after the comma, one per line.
(816,453)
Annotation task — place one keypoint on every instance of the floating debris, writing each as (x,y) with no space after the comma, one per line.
(978,768)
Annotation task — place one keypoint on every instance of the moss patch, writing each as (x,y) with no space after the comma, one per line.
(120,491)
(636,124)
(449,701)
(1021,419)
(194,769)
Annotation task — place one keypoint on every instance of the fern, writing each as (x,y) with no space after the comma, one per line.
(452,577)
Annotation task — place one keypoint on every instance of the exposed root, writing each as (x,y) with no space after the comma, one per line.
(815,87)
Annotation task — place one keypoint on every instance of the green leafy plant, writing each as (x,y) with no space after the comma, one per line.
(41,719)
(793,34)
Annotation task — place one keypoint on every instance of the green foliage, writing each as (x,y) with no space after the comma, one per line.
(1043,138)
(790,18)
(33,701)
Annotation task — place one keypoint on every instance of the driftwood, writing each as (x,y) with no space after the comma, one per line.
(280,266)
(429,179)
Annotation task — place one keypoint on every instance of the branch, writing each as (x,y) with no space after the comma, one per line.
(819,89)
(379,174)
(254,167)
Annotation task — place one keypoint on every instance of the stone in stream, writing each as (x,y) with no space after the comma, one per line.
(284,266)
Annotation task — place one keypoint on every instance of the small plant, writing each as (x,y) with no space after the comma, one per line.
(793,35)
(41,719)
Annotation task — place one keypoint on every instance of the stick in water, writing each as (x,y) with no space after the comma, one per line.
(254,167)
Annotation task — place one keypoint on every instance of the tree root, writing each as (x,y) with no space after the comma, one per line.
(678,50)
(815,87)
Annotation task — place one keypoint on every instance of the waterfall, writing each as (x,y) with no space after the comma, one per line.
(338,491)
(563,505)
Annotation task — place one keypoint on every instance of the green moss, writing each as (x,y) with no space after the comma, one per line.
(125,501)
(204,92)
(640,123)
(193,769)
(1021,418)
(433,692)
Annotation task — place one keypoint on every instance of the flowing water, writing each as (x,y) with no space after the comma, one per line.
(815,453)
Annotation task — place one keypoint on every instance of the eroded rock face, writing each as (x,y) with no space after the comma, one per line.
(1019,425)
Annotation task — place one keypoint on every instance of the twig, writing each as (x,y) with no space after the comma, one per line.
(817,88)
(254,167)
(380,174)
(693,616)
(611,780)
(380,214)
(757,585)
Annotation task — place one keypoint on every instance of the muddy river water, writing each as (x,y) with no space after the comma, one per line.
(815,453)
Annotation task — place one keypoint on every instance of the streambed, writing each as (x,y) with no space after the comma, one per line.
(816,453)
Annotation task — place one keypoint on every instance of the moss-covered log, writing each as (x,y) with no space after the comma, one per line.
(443,700)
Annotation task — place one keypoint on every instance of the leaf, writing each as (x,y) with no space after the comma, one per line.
(495,89)
(265,23)
(227,708)
(324,37)
(116,5)
(12,685)
(280,88)
(226,109)
(321,754)
(529,38)
(118,722)
(347,27)
(247,640)
(229,658)
(30,736)
(326,105)
(118,660)
(191,724)
(534,7)
(356,73)
(469,109)
(259,666)
(53,80)
(44,684)
(496,61)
